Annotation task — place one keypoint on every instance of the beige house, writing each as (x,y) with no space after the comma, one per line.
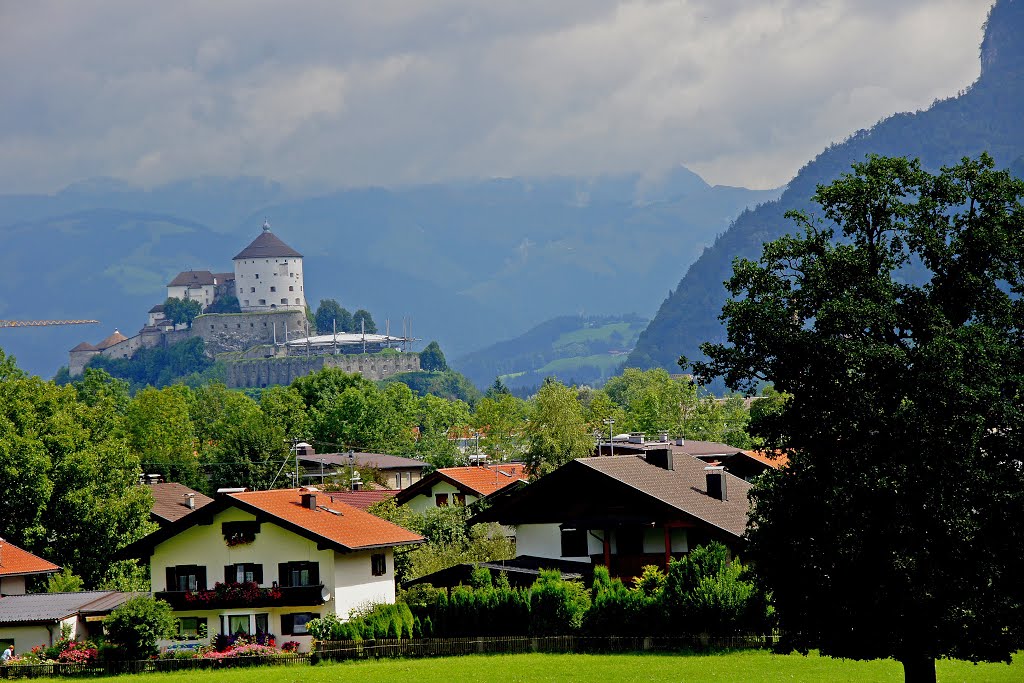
(459,485)
(37,618)
(18,567)
(263,563)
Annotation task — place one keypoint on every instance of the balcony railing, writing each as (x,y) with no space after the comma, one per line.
(244,595)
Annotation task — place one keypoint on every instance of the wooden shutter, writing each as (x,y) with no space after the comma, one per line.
(314,573)
(287,624)
(257,574)
(172,579)
(201,578)
(229,573)
(283,574)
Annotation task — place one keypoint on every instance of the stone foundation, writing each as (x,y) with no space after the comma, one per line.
(265,372)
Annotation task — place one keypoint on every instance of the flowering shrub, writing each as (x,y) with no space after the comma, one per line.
(78,653)
(246,650)
(290,646)
(232,593)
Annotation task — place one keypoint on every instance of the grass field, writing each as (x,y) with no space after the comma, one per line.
(735,666)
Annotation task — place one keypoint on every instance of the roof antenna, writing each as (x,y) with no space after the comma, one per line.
(266,225)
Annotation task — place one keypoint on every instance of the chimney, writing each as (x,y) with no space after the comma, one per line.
(309,501)
(661,457)
(680,441)
(716,482)
(190,501)
(663,437)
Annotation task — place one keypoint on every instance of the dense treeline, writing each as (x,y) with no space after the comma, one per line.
(71,455)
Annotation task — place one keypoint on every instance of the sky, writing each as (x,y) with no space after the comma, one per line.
(340,93)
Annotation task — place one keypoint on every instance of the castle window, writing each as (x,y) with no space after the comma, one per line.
(284,301)
(296,301)
(263,302)
(273,289)
(239,325)
(246,303)
(291,288)
(257,276)
(291,274)
(211,326)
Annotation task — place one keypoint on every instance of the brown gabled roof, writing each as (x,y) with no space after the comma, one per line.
(340,524)
(267,245)
(170,501)
(224,277)
(626,489)
(477,480)
(159,308)
(84,346)
(17,562)
(115,338)
(188,278)
(360,499)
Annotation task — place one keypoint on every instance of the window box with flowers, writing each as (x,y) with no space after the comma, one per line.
(246,594)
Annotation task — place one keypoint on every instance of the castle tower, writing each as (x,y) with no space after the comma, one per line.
(268,275)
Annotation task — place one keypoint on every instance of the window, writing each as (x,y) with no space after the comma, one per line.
(379,564)
(257,276)
(284,301)
(296,301)
(629,541)
(246,303)
(291,288)
(273,289)
(186,577)
(243,573)
(460,499)
(574,543)
(441,500)
(188,627)
(263,302)
(299,573)
(238,623)
(263,623)
(295,624)
(252,290)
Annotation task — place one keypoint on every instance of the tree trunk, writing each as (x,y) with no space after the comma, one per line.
(919,670)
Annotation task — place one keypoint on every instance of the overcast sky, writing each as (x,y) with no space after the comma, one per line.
(338,93)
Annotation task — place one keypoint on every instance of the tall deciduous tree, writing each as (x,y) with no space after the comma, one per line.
(331,317)
(362,321)
(897,329)
(557,430)
(182,311)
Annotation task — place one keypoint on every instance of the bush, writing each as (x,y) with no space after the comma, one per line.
(136,625)
(557,606)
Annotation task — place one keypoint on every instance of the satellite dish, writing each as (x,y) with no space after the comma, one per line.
(325,594)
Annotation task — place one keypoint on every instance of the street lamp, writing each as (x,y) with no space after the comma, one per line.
(353,476)
(611,439)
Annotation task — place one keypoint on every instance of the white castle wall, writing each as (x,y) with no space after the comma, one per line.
(270,284)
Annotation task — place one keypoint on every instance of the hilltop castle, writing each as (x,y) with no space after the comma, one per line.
(269,337)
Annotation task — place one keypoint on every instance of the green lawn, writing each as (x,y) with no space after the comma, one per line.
(736,666)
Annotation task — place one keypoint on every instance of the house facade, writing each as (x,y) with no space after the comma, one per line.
(460,485)
(625,511)
(264,563)
(38,618)
(18,567)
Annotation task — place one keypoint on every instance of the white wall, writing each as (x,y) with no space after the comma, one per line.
(12,585)
(254,279)
(354,582)
(422,503)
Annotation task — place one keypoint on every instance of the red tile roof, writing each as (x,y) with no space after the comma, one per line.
(483,480)
(15,562)
(115,338)
(778,459)
(337,522)
(479,480)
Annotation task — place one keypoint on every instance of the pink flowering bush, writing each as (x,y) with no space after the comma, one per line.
(290,646)
(78,653)
(246,650)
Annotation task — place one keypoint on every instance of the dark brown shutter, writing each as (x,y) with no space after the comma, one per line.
(172,579)
(314,573)
(201,578)
(287,624)
(230,573)
(257,574)
(283,575)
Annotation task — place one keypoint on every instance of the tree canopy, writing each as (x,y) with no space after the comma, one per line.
(894,322)
(432,358)
(331,317)
(182,311)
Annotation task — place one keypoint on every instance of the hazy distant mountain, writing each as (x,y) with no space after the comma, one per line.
(470,262)
(987,117)
(579,349)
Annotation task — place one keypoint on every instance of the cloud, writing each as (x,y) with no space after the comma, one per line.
(352,93)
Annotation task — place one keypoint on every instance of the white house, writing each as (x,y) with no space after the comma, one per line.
(266,562)
(197,285)
(268,275)
(459,485)
(17,566)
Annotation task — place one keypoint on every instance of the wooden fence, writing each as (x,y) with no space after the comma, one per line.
(384,648)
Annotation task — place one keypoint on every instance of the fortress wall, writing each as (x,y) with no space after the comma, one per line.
(264,372)
(239,331)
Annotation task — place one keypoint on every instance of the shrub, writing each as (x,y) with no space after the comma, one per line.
(557,606)
(136,625)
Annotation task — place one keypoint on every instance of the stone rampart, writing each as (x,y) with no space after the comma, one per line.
(265,372)
(224,332)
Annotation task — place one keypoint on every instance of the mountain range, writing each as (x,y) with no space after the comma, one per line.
(986,117)
(471,263)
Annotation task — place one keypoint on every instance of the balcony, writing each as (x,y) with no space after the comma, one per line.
(224,595)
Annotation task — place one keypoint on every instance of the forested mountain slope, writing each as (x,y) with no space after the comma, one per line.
(985,118)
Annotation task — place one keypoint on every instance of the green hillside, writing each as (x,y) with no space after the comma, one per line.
(575,349)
